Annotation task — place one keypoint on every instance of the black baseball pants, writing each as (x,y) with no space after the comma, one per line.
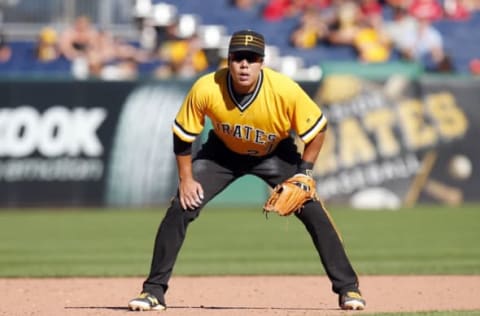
(215,167)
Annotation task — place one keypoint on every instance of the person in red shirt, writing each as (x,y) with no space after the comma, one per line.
(456,10)
(5,49)
(426,9)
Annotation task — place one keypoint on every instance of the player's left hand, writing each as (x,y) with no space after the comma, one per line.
(291,195)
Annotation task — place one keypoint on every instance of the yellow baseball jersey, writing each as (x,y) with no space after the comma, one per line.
(277,107)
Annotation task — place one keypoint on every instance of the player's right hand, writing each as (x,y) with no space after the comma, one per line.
(191,194)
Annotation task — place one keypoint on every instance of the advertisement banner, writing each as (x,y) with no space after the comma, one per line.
(55,140)
(390,143)
(398,142)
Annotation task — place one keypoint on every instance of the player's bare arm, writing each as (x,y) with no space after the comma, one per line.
(312,149)
(190,191)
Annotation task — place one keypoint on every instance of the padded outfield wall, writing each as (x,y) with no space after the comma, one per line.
(392,140)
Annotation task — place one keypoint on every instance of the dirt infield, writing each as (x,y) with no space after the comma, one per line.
(257,295)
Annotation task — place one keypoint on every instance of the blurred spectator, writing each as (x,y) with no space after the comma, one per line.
(424,44)
(372,11)
(47,48)
(474,66)
(346,23)
(180,49)
(397,3)
(311,29)
(426,9)
(115,57)
(370,7)
(277,10)
(245,5)
(183,58)
(302,5)
(80,39)
(472,5)
(400,28)
(372,45)
(319,5)
(457,9)
(78,43)
(92,50)
(5,49)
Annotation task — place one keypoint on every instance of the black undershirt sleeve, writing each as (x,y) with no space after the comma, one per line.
(181,147)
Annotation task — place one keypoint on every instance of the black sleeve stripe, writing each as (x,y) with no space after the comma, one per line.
(187,133)
(313,126)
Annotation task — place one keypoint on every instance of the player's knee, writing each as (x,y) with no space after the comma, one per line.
(187,214)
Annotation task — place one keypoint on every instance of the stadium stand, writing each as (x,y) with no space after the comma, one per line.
(457,34)
(461,38)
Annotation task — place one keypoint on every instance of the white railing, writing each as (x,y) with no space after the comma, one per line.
(21,19)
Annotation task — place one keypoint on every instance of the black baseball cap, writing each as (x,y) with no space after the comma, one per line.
(247,40)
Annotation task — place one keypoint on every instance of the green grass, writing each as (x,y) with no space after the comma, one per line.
(423,240)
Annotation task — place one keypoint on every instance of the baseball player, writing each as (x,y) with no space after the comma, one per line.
(254,111)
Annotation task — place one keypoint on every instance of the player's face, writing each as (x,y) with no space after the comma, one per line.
(245,68)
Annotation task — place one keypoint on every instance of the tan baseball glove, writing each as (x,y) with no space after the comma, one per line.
(291,195)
